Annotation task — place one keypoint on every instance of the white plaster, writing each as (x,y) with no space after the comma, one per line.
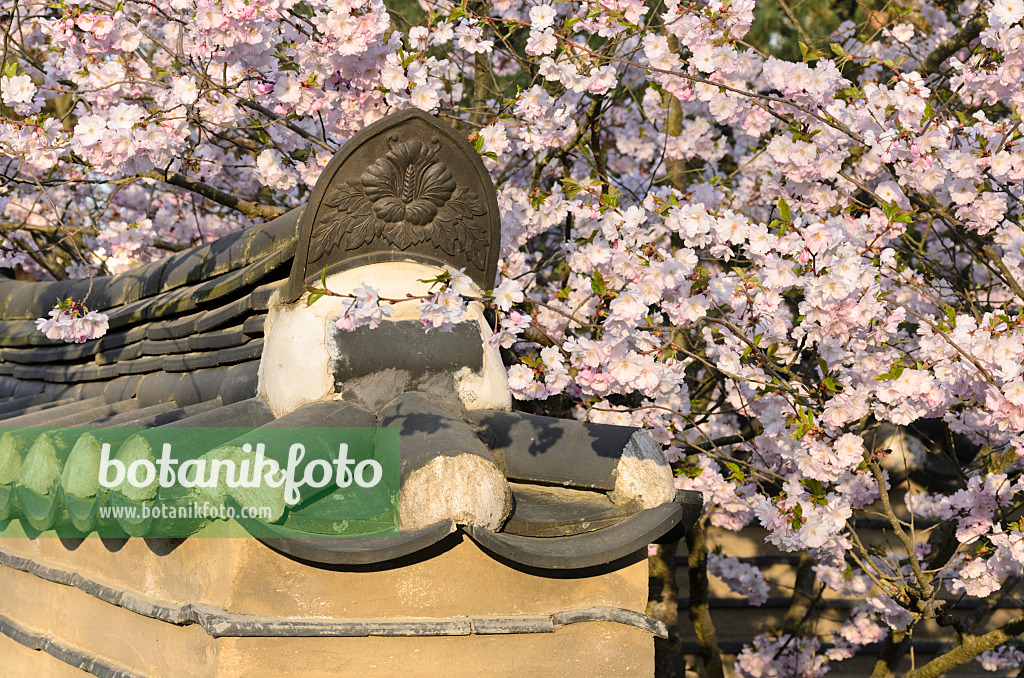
(643,474)
(488,389)
(908,452)
(466,488)
(296,366)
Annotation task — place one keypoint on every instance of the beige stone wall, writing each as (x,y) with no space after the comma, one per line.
(243,576)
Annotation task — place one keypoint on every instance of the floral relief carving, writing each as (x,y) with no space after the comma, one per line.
(408,196)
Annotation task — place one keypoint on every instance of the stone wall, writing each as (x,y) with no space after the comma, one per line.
(121,598)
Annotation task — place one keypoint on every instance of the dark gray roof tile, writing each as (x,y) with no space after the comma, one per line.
(625,539)
(122,388)
(33,371)
(131,314)
(28,387)
(189,361)
(221,316)
(157,388)
(198,386)
(114,355)
(271,235)
(24,299)
(55,391)
(140,365)
(184,268)
(77,373)
(260,297)
(252,412)
(136,284)
(28,405)
(558,451)
(546,511)
(23,333)
(7,386)
(164,347)
(253,326)
(25,404)
(217,339)
(31,356)
(46,416)
(239,382)
(427,430)
(143,416)
(249,351)
(172,303)
(94,414)
(173,329)
(88,389)
(327,413)
(161,414)
(118,339)
(355,551)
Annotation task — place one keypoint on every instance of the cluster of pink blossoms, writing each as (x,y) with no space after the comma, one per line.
(769,656)
(741,578)
(71,323)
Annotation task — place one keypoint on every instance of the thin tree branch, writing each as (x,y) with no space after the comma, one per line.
(968,32)
(796,24)
(249,103)
(246,207)
(968,650)
(700,611)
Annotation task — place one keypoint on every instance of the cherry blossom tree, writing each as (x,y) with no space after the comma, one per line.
(800,268)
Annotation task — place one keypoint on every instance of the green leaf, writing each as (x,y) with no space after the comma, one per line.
(837,49)
(737,473)
(613,196)
(814,486)
(11,69)
(313,297)
(784,207)
(571,188)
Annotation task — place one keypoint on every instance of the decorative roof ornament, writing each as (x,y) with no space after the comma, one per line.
(406,188)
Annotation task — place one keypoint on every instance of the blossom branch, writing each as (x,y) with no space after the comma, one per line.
(246,207)
(970,648)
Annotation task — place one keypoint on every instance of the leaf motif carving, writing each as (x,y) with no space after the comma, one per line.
(398,236)
(455,230)
(325,236)
(351,223)
(362,228)
(444,234)
(407,197)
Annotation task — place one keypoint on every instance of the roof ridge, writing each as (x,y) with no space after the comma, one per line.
(25,300)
